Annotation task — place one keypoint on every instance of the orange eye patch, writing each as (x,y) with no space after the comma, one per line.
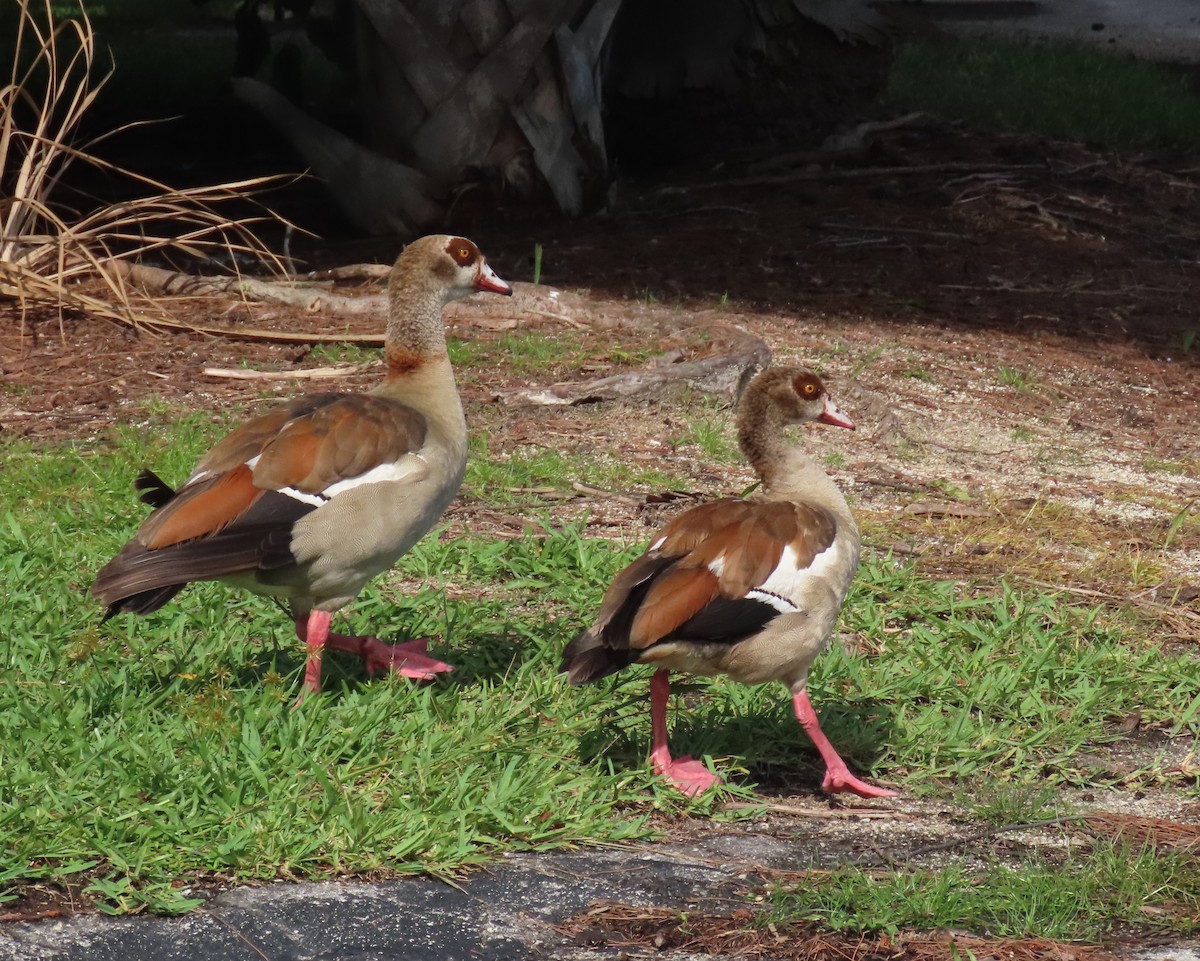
(462,250)
(807,386)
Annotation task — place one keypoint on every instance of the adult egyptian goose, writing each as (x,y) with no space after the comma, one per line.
(747,588)
(310,500)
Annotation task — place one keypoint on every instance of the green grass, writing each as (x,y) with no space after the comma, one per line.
(332,354)
(1006,685)
(1019,380)
(523,353)
(1151,462)
(1002,803)
(709,426)
(510,478)
(950,489)
(148,753)
(144,750)
(1109,888)
(1055,89)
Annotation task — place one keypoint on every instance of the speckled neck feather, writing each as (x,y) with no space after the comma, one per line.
(761,423)
(766,410)
(418,289)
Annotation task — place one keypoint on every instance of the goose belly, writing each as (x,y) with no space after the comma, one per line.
(339,550)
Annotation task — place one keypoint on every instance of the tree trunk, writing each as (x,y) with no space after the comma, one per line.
(510,93)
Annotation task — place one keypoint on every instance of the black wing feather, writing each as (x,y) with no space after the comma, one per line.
(725,620)
(152,489)
(141,580)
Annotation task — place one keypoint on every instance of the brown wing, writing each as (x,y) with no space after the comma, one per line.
(306,446)
(737,544)
(204,507)
(694,581)
(236,513)
(314,443)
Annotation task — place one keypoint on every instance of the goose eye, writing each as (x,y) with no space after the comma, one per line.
(809,389)
(463,253)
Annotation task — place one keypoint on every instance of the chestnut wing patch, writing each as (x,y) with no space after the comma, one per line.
(314,443)
(733,546)
(706,577)
(248,441)
(237,511)
(305,448)
(339,442)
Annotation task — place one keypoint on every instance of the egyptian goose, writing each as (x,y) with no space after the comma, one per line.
(313,498)
(747,588)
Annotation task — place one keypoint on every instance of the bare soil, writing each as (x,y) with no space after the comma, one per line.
(1012,322)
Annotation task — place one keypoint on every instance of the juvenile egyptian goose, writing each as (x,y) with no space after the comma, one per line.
(747,588)
(313,498)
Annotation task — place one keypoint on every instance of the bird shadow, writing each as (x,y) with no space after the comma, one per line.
(770,746)
(489,658)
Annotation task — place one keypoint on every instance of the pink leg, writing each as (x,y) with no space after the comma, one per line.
(837,776)
(687,774)
(409,659)
(314,632)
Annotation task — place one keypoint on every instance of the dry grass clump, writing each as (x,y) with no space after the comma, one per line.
(46,248)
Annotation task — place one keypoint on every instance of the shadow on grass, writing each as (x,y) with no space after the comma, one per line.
(487,660)
(770,745)
(274,649)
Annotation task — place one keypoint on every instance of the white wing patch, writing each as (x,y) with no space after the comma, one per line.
(789,579)
(828,560)
(315,499)
(199,475)
(403,469)
(202,474)
(781,604)
(409,467)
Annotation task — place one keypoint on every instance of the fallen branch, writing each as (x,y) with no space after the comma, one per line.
(528,299)
(847,145)
(257,335)
(597,492)
(932,509)
(175,283)
(234,373)
(717,373)
(372,272)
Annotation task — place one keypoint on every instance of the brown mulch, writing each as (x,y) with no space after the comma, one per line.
(738,935)
(1073,257)
(1163,835)
(1036,287)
